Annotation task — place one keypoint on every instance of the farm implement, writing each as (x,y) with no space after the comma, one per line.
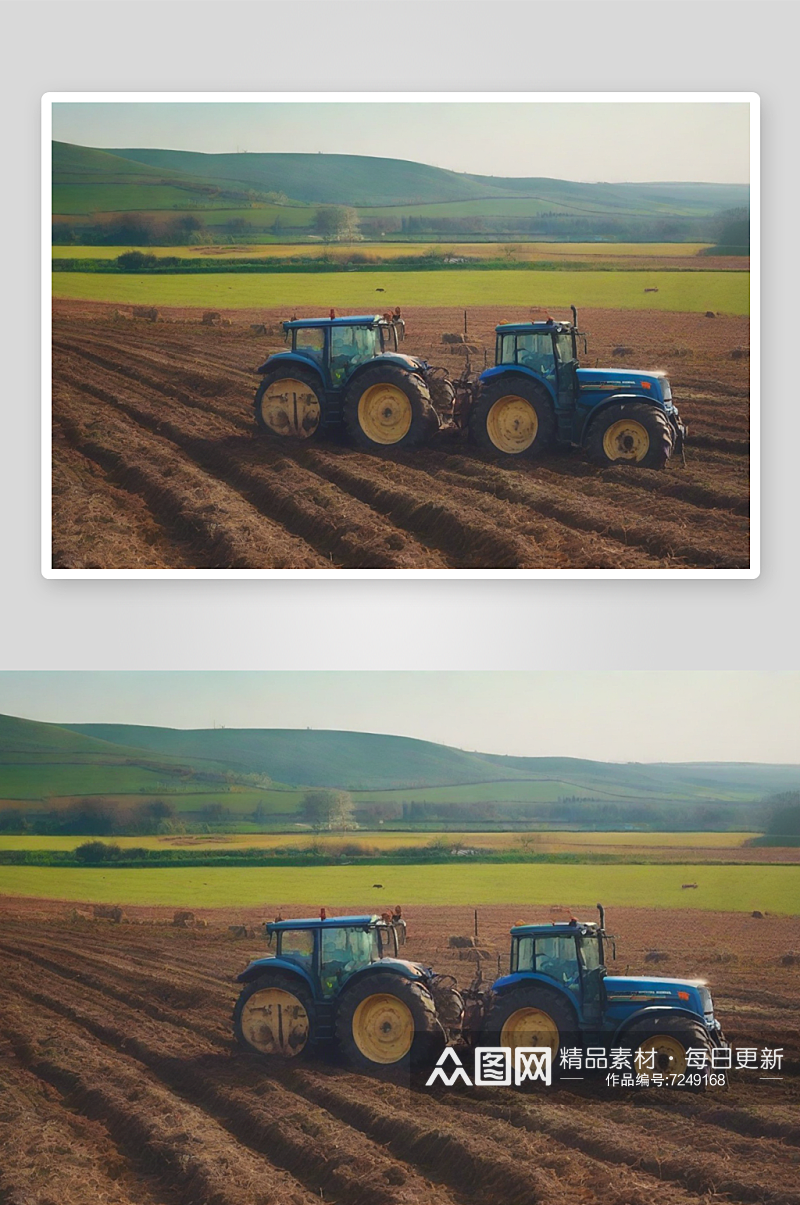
(340,980)
(349,372)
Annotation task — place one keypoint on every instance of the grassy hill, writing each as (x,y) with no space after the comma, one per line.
(245,187)
(396,779)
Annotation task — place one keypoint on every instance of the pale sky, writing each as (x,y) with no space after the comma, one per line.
(669,715)
(587,141)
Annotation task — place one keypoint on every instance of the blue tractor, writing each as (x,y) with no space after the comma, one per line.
(350,372)
(559,994)
(536,395)
(339,979)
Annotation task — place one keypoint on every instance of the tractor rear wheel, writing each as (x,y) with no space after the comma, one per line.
(386,406)
(274,1015)
(288,404)
(513,415)
(531,1016)
(663,1043)
(631,433)
(386,1021)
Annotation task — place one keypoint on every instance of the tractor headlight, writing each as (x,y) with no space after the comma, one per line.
(707,1003)
(665,388)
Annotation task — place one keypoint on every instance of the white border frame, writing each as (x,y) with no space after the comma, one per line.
(750,98)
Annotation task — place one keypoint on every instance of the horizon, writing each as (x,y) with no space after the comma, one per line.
(617,716)
(69,726)
(394,159)
(612,141)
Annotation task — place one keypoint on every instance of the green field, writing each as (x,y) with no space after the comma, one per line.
(727,292)
(720,888)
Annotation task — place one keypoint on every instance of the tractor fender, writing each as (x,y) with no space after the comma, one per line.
(508,983)
(396,967)
(404,363)
(615,400)
(266,965)
(283,359)
(654,1011)
(517,370)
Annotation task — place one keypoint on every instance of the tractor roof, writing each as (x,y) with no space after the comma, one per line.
(560,928)
(316,922)
(349,320)
(512,328)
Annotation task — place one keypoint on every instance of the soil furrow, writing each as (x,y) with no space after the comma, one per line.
(320,1151)
(447,509)
(51,1154)
(101,526)
(152,1127)
(301,502)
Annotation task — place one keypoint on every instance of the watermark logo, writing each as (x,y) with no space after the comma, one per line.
(495,1066)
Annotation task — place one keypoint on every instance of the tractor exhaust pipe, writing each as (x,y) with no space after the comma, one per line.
(575,324)
(602,911)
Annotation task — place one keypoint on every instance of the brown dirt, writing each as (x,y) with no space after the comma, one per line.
(156,463)
(119,1081)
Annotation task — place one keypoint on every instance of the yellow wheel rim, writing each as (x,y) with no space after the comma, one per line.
(384,414)
(530,1027)
(383,1028)
(669,1055)
(274,1021)
(626,440)
(512,424)
(290,408)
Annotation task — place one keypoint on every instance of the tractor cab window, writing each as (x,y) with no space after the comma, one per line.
(350,346)
(310,341)
(344,951)
(522,955)
(565,348)
(531,349)
(556,958)
(589,953)
(298,946)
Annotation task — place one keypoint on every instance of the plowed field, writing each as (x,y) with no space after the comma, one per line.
(156,464)
(119,1083)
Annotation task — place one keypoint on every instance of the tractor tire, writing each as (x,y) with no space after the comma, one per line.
(669,1038)
(274,1016)
(531,1016)
(385,1021)
(387,407)
(288,404)
(631,433)
(513,415)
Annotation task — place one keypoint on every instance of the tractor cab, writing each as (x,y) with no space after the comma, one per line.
(338,346)
(570,955)
(329,950)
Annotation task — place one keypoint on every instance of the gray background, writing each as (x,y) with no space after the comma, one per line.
(361,624)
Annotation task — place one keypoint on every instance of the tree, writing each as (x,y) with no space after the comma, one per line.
(336,223)
(327,809)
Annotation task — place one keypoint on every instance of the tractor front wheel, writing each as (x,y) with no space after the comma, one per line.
(660,1046)
(386,406)
(513,415)
(288,404)
(385,1021)
(531,1016)
(274,1015)
(631,433)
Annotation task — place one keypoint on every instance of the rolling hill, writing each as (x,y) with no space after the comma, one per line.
(51,764)
(89,181)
